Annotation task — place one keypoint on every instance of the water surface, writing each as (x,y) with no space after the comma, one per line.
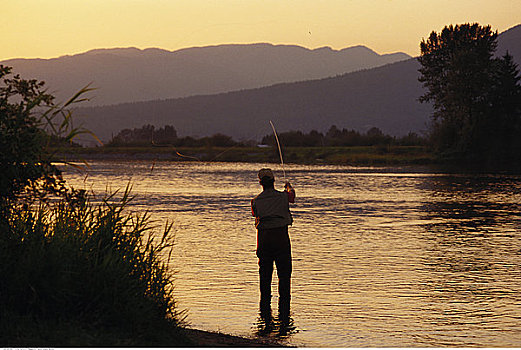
(382,257)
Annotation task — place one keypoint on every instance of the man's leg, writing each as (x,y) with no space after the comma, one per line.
(284,268)
(265,275)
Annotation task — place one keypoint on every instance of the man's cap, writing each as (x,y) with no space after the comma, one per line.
(265,172)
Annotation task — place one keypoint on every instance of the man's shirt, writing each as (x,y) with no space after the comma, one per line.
(271,208)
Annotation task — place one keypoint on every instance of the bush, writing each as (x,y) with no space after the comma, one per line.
(81,274)
(72,273)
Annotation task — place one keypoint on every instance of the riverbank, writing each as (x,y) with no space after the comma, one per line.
(81,335)
(213,339)
(355,156)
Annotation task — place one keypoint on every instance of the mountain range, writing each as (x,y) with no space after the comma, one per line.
(130,75)
(385,97)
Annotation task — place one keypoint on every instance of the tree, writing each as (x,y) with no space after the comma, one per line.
(503,129)
(145,136)
(220,140)
(29,122)
(467,85)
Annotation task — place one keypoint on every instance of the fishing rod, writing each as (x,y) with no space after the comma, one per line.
(280,151)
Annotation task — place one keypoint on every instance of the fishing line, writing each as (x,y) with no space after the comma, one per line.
(191,157)
(223,152)
(252,136)
(280,151)
(175,149)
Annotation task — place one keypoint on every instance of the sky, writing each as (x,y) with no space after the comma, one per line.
(52,28)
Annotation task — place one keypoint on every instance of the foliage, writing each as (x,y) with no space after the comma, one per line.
(29,122)
(145,135)
(72,273)
(336,137)
(86,264)
(476,97)
(219,140)
(166,136)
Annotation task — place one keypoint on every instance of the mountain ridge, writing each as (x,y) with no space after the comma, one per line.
(131,74)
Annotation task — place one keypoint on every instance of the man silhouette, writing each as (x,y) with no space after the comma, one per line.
(272,218)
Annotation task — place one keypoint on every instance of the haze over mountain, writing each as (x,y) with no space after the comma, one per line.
(130,74)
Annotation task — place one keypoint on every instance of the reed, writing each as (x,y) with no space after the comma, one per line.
(81,271)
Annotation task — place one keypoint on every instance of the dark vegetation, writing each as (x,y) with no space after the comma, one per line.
(75,270)
(357,155)
(336,137)
(148,135)
(334,147)
(476,97)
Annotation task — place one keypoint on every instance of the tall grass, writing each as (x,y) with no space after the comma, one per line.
(78,273)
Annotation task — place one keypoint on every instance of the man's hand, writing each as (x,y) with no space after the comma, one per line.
(290,191)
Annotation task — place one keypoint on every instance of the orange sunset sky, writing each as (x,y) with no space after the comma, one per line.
(52,28)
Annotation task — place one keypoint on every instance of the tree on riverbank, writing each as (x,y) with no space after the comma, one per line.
(72,273)
(148,135)
(344,138)
(476,96)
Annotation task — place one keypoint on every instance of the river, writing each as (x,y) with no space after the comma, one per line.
(382,257)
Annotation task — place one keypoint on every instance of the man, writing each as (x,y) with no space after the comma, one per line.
(272,217)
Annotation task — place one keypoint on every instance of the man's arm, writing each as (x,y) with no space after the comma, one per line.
(253,208)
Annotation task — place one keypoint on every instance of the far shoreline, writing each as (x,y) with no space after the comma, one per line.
(415,157)
(349,156)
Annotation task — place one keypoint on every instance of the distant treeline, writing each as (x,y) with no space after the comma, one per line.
(344,137)
(148,135)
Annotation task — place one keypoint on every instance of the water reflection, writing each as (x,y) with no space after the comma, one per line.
(469,256)
(279,327)
(382,257)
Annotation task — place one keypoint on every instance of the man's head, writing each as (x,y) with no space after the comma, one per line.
(266,177)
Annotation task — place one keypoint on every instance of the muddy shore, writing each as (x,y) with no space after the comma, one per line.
(214,339)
